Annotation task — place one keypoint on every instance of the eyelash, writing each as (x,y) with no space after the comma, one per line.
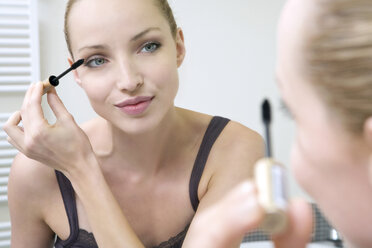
(151,43)
(284,108)
(89,61)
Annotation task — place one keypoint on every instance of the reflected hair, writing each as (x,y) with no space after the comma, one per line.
(338,59)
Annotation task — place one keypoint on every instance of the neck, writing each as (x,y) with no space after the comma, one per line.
(347,213)
(149,149)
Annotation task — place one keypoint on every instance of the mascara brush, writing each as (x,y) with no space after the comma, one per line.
(53,81)
(266,118)
(270,177)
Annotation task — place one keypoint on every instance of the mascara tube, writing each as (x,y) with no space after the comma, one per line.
(49,83)
(53,81)
(270,177)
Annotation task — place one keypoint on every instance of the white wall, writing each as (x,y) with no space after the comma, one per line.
(228,70)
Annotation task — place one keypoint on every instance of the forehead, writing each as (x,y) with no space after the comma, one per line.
(298,22)
(97,21)
(112,5)
(296,25)
(109,8)
(96,14)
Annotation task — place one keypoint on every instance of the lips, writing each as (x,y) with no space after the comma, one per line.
(135,106)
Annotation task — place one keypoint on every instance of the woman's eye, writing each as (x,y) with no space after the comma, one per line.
(96,62)
(286,110)
(150,47)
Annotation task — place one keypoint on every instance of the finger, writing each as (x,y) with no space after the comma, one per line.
(34,109)
(25,104)
(14,131)
(27,96)
(242,208)
(254,213)
(28,117)
(14,144)
(26,99)
(298,234)
(56,104)
(13,120)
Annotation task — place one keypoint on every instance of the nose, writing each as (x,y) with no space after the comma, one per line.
(129,78)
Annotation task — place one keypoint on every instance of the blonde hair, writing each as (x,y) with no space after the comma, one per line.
(338,59)
(163,6)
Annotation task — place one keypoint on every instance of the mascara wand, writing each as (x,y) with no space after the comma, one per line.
(53,81)
(270,178)
(266,118)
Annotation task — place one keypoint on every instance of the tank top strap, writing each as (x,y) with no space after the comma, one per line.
(214,129)
(69,201)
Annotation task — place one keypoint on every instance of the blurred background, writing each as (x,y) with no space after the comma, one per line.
(228,70)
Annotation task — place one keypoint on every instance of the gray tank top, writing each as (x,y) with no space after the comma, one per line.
(80,238)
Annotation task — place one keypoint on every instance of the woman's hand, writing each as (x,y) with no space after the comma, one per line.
(239,212)
(63,146)
(223,224)
(300,227)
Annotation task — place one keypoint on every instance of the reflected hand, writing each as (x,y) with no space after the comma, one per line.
(300,226)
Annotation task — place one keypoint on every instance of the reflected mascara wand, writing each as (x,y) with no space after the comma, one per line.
(53,81)
(266,118)
(270,178)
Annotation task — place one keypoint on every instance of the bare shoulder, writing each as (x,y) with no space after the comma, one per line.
(97,139)
(30,180)
(230,162)
(241,141)
(236,151)
(31,189)
(236,142)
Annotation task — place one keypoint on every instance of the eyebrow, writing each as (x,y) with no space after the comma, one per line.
(94,47)
(136,37)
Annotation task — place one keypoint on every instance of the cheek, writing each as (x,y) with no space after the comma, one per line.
(306,160)
(313,157)
(96,98)
(97,90)
(298,166)
(96,85)
(370,170)
(164,77)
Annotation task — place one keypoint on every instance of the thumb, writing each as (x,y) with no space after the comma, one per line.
(300,226)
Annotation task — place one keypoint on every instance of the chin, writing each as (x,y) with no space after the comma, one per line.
(135,126)
(140,124)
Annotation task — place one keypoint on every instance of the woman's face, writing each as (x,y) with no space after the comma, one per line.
(314,144)
(131,60)
(322,145)
(325,157)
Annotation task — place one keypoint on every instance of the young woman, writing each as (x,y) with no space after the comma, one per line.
(324,75)
(144,172)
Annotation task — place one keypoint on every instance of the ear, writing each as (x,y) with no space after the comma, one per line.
(180,46)
(75,73)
